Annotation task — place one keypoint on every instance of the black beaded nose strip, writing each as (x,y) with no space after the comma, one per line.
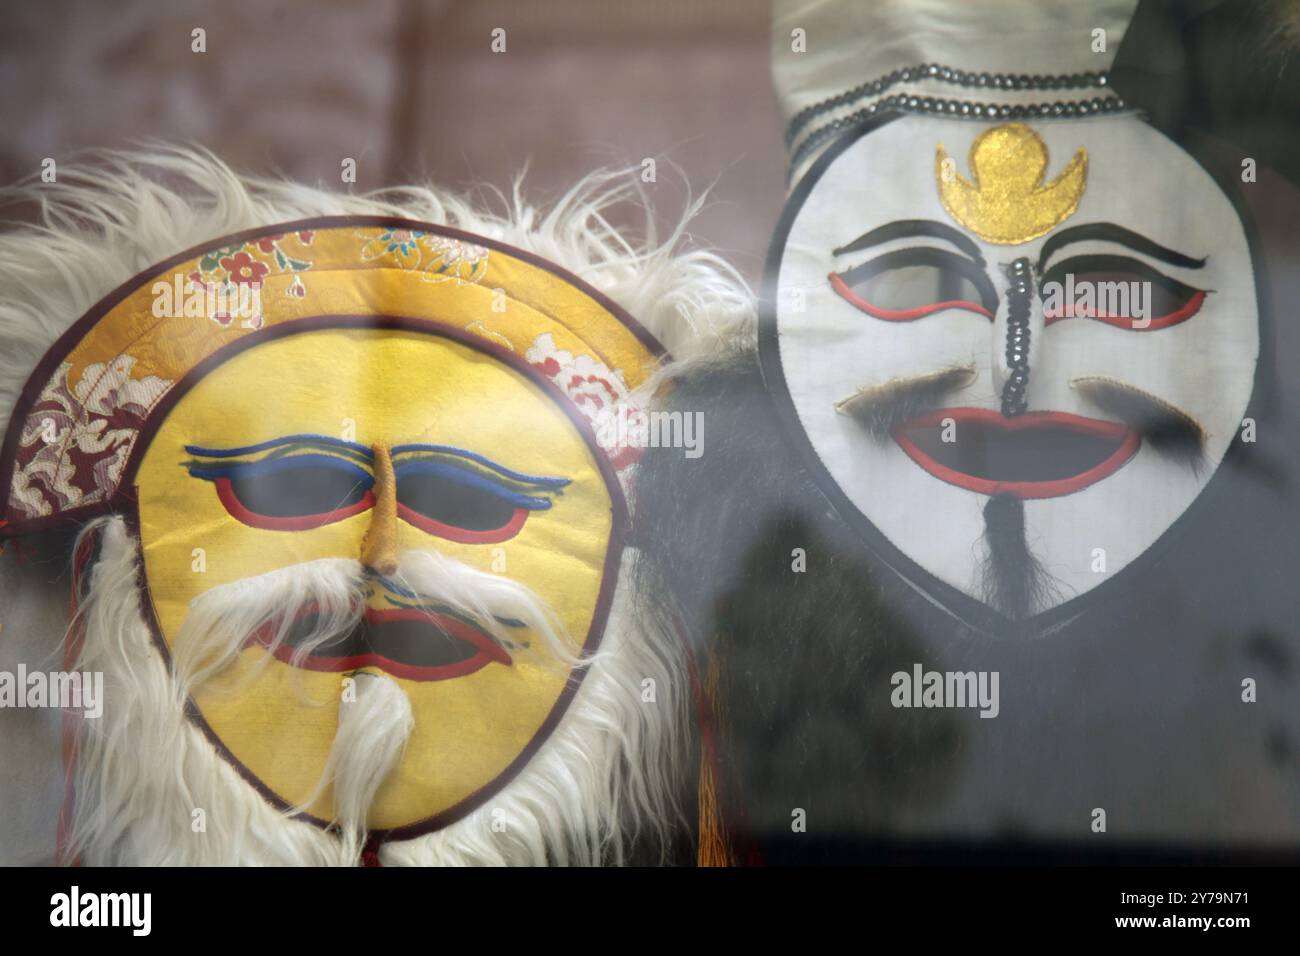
(1018,298)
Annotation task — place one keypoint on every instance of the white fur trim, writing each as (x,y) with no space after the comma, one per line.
(109,218)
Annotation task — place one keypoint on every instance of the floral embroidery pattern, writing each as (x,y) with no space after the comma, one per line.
(76,439)
(599,392)
(437,258)
(247,264)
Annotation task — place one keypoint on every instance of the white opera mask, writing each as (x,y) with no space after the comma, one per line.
(1017,353)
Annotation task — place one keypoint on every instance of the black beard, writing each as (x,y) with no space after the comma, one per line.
(1013,579)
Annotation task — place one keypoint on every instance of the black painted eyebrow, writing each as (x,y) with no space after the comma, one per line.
(906,228)
(1109,232)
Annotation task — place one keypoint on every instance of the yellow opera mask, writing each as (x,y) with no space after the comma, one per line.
(352,390)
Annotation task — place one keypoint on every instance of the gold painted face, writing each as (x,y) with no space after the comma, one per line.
(367,444)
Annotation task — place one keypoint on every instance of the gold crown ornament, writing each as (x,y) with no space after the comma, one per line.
(1006,200)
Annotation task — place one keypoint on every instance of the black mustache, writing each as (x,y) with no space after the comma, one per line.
(881,408)
(1169,430)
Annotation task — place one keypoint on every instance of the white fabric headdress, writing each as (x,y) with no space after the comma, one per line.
(993,59)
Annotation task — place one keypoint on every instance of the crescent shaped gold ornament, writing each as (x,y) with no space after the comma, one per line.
(1006,200)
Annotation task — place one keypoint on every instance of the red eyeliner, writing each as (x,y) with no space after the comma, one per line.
(226,494)
(231,501)
(463,535)
(902,315)
(1188,309)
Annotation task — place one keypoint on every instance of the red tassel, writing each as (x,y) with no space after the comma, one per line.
(370,852)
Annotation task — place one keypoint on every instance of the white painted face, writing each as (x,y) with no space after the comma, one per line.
(1099,485)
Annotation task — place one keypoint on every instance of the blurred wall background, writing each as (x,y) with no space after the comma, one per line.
(412,90)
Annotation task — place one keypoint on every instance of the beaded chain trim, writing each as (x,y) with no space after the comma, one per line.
(1014,401)
(945,74)
(940,106)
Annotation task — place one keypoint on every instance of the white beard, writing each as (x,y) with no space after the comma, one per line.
(142,768)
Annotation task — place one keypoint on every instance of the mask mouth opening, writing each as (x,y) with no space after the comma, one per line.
(1034,455)
(419,644)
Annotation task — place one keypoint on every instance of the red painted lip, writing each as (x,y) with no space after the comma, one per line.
(440,626)
(1035,455)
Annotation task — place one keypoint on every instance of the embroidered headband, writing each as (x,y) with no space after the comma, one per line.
(74,441)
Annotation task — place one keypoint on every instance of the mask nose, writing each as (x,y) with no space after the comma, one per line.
(379,546)
(1017,338)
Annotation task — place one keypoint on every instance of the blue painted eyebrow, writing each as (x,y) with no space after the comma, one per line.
(271,466)
(328,441)
(278,443)
(541,480)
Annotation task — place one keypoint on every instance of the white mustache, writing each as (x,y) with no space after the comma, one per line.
(375,726)
(335,590)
